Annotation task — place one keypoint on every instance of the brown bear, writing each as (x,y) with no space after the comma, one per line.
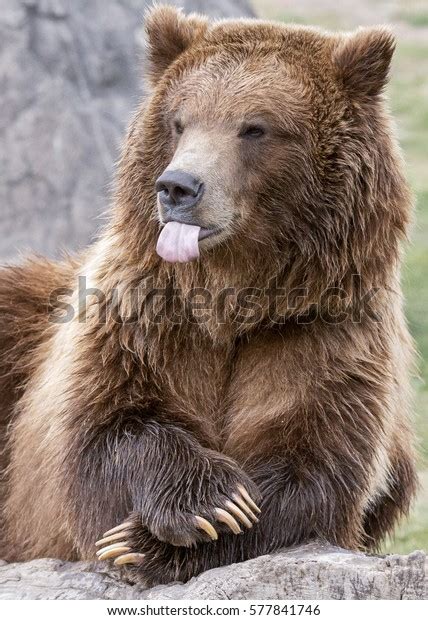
(225,371)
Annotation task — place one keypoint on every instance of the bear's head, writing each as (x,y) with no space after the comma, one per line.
(265,149)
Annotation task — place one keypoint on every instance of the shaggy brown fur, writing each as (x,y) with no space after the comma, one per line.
(152,410)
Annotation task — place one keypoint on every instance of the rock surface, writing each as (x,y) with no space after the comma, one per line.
(311,572)
(70,79)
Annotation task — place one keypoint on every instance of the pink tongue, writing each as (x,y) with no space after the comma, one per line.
(178,243)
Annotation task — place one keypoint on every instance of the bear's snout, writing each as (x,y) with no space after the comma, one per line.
(179,192)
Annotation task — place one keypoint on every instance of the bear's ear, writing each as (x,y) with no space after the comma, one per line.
(363,61)
(169,33)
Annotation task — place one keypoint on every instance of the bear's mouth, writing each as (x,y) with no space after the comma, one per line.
(204,233)
(178,242)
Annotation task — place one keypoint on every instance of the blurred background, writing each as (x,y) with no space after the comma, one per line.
(69,79)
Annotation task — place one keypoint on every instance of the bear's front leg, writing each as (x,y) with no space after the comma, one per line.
(179,492)
(310,422)
(133,469)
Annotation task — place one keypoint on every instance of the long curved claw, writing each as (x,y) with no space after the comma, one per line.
(238,499)
(118,528)
(248,499)
(205,525)
(129,558)
(112,553)
(224,517)
(112,538)
(118,545)
(238,513)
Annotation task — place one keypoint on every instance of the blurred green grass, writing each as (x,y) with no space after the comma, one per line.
(417,18)
(408,98)
(409,101)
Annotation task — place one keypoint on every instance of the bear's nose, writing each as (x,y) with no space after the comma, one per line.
(177,188)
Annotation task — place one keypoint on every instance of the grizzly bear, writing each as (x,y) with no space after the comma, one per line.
(224,372)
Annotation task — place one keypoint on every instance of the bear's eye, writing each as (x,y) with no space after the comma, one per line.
(178,127)
(252,131)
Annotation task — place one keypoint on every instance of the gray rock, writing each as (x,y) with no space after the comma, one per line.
(310,572)
(69,81)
